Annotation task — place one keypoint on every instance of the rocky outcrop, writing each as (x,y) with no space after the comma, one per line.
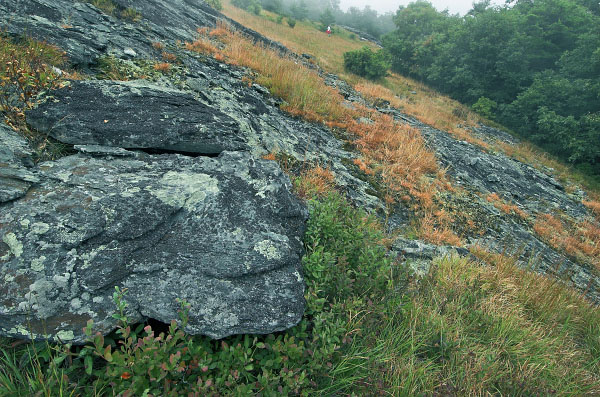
(169,197)
(223,233)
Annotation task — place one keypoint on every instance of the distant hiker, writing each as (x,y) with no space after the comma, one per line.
(328,30)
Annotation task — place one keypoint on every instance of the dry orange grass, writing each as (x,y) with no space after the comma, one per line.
(594,206)
(162,67)
(169,57)
(304,91)
(303,38)
(425,105)
(578,239)
(317,181)
(505,207)
(158,45)
(202,45)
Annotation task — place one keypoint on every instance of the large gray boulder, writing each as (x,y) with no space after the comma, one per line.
(222,233)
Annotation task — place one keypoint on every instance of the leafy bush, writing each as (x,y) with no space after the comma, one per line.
(485,107)
(291,22)
(248,5)
(366,63)
(216,4)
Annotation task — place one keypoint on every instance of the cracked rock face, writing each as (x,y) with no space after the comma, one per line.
(222,233)
(15,159)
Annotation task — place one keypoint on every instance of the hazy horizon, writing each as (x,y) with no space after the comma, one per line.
(382,6)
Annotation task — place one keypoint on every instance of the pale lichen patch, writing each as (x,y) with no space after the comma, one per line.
(15,246)
(65,335)
(37,264)
(267,249)
(40,228)
(183,189)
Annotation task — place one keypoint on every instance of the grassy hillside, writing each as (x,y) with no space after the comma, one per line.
(370,328)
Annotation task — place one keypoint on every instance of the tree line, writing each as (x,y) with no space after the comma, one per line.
(533,66)
(326,12)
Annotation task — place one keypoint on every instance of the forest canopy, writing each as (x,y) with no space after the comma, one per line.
(533,66)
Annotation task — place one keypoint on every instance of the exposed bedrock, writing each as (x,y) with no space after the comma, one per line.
(223,233)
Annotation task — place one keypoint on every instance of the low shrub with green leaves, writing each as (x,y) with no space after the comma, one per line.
(110,7)
(253,6)
(216,4)
(367,63)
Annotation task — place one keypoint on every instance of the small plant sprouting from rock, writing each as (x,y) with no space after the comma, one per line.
(26,69)
(111,8)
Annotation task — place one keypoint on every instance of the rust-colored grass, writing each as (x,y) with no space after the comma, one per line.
(158,45)
(594,206)
(580,240)
(424,104)
(202,44)
(315,182)
(162,66)
(168,56)
(505,207)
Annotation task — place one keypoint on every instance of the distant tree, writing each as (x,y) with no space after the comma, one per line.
(216,4)
(272,5)
(366,63)
(299,10)
(326,19)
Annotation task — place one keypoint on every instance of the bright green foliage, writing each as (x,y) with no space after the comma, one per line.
(216,4)
(249,5)
(538,61)
(485,107)
(366,63)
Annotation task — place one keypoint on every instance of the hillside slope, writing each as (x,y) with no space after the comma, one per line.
(166,187)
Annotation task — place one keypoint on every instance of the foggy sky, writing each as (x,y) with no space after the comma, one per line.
(382,6)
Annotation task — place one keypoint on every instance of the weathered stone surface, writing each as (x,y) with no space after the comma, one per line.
(15,158)
(135,114)
(223,233)
(86,33)
(419,255)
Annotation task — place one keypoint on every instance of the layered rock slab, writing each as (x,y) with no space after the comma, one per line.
(222,233)
(135,114)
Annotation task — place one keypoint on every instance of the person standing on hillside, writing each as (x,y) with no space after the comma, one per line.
(328,30)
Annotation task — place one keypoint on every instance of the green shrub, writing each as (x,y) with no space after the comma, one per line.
(216,4)
(291,22)
(366,63)
(485,107)
(131,14)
